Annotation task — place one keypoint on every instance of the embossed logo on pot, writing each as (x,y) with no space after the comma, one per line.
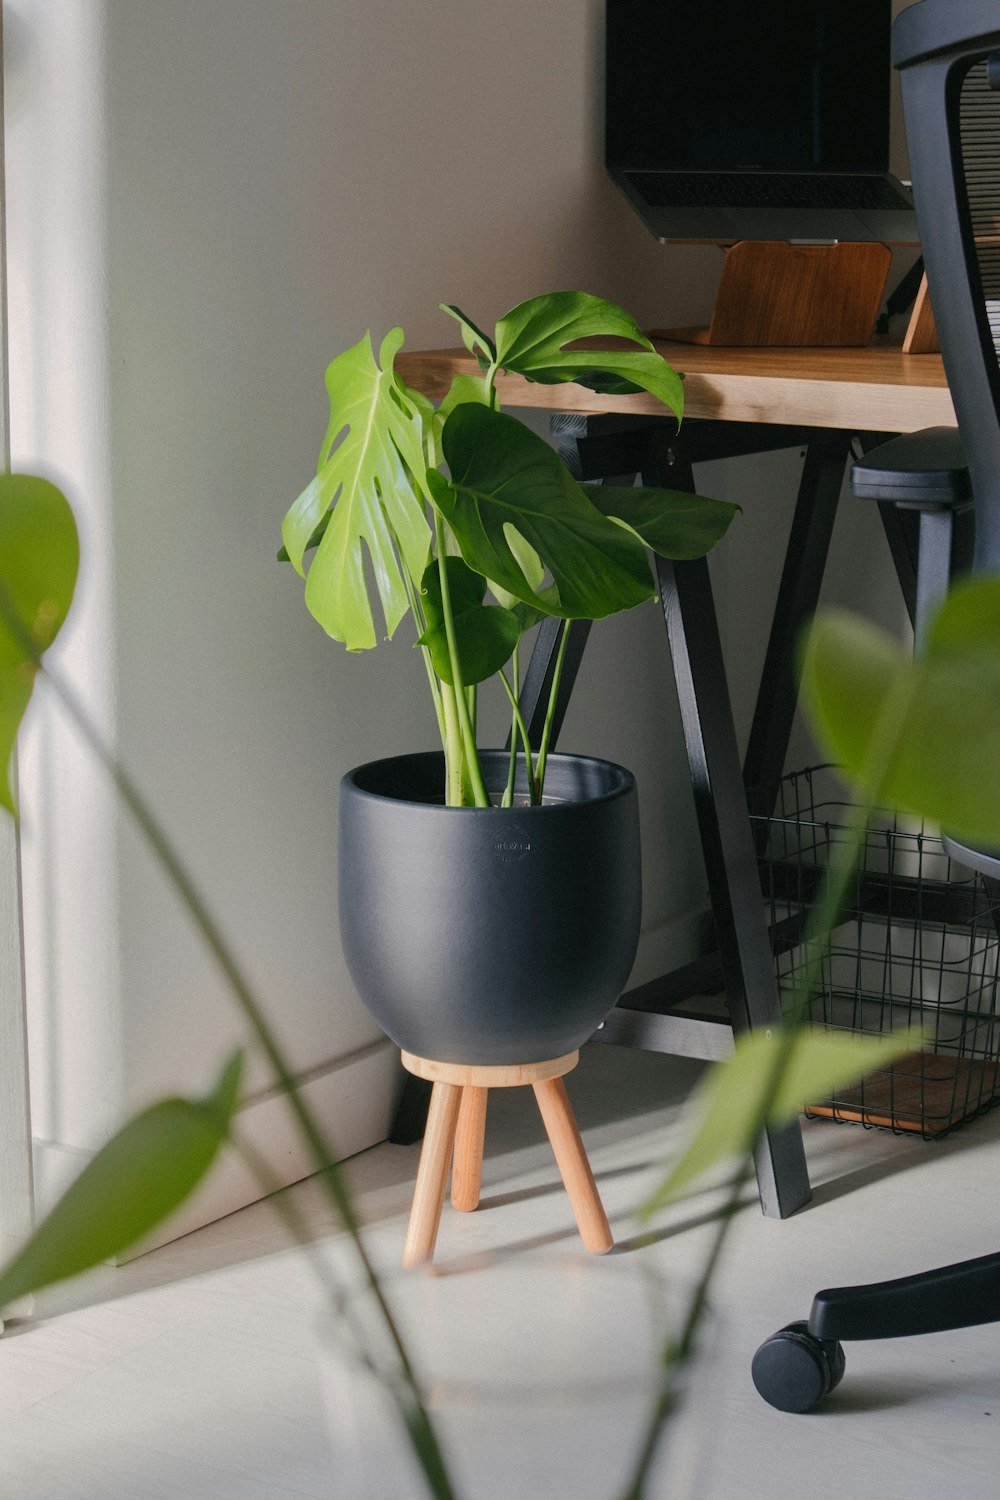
(510,850)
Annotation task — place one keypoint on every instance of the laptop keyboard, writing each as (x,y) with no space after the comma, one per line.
(763,190)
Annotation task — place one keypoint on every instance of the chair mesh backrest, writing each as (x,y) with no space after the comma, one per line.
(979,137)
(948,55)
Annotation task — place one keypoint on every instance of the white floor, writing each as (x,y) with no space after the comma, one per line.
(196,1370)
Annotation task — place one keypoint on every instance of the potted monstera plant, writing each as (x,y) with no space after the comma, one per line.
(489,899)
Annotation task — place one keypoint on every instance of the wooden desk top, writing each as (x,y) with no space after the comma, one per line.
(878,389)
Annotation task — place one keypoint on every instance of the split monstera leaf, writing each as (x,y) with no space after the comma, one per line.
(514,511)
(414,486)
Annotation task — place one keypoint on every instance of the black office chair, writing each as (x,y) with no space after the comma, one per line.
(948,55)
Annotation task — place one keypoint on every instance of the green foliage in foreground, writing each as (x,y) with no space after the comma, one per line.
(39,557)
(133,1184)
(922,734)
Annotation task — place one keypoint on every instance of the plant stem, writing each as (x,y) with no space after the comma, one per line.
(841,869)
(323,1156)
(533,792)
(341,1303)
(508,796)
(468,738)
(453,750)
(550,711)
(432,682)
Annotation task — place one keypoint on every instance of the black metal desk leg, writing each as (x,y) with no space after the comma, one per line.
(538,678)
(727,841)
(798,594)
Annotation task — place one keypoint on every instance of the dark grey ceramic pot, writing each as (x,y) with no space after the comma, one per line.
(489,935)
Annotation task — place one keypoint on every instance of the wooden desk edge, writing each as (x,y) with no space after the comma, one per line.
(880,389)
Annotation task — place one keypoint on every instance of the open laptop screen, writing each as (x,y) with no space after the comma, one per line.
(772,85)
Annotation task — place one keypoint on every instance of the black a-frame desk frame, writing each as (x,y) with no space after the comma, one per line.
(663,1015)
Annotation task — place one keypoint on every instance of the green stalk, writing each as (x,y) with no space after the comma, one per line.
(341,1301)
(473,767)
(454,755)
(550,711)
(330,1177)
(432,682)
(841,870)
(508,796)
(533,792)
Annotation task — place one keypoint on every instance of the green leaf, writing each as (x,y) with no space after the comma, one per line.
(942,711)
(39,558)
(530,564)
(532,340)
(968,621)
(474,339)
(847,673)
(370,465)
(530,615)
(728,1106)
(486,634)
(503,475)
(673,523)
(463,389)
(313,541)
(133,1184)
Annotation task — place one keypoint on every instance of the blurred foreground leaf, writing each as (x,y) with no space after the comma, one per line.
(39,557)
(731,1104)
(133,1184)
(940,712)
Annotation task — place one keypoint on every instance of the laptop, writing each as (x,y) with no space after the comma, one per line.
(736,120)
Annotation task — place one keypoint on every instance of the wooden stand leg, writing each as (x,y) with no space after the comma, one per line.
(571,1159)
(432,1174)
(467,1166)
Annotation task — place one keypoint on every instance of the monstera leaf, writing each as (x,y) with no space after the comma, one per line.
(39,556)
(371,456)
(474,339)
(532,339)
(503,476)
(672,522)
(486,634)
(920,732)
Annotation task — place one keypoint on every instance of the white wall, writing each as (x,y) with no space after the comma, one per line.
(208,199)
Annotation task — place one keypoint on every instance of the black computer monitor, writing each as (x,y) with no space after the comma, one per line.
(754,119)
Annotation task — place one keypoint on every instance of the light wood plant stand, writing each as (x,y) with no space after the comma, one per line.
(454,1138)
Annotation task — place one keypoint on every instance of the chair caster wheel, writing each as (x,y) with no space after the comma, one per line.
(793,1370)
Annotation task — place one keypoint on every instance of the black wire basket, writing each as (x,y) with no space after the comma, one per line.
(917,943)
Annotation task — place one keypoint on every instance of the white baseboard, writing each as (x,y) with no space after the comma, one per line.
(353,1099)
(670,944)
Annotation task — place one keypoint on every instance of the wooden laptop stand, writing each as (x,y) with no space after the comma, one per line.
(777,294)
(454,1138)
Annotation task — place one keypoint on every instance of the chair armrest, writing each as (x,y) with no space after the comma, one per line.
(917,471)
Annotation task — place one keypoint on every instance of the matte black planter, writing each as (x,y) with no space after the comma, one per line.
(489,935)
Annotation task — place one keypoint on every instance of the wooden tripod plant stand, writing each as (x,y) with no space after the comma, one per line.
(454,1138)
